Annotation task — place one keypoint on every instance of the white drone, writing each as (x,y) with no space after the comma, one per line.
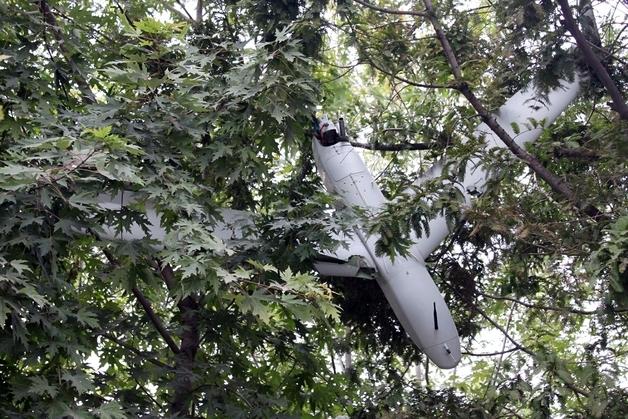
(406,282)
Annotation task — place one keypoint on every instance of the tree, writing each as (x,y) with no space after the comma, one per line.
(197,109)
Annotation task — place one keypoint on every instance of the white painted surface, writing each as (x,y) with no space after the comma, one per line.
(519,109)
(234,225)
(406,283)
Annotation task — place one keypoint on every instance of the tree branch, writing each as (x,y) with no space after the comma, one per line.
(152,316)
(405,146)
(576,153)
(517,345)
(124,13)
(505,351)
(183,15)
(501,356)
(147,393)
(166,273)
(410,82)
(136,351)
(185,10)
(199,11)
(505,333)
(619,105)
(390,11)
(539,307)
(185,361)
(556,183)
(549,308)
(567,384)
(51,21)
(190,342)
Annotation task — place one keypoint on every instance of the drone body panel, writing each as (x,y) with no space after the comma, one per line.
(406,283)
(520,110)
(346,175)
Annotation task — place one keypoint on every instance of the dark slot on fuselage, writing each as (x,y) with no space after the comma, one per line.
(435,317)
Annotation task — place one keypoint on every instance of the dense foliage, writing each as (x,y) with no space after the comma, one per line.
(201,106)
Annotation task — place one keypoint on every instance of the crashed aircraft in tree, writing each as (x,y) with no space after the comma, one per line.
(405,281)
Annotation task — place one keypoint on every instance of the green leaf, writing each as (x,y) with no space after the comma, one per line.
(20,266)
(87,318)
(39,386)
(256,304)
(100,133)
(29,291)
(110,410)
(80,381)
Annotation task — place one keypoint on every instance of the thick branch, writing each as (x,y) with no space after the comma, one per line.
(190,341)
(81,82)
(390,11)
(555,182)
(155,320)
(199,11)
(185,361)
(576,153)
(552,180)
(394,147)
(619,105)
(167,275)
(152,316)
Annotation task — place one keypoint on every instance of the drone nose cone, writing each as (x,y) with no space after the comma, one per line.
(445,355)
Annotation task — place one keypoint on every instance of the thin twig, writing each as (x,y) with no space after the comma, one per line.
(147,393)
(505,351)
(185,16)
(501,356)
(410,82)
(390,11)
(540,307)
(136,351)
(404,146)
(185,10)
(341,75)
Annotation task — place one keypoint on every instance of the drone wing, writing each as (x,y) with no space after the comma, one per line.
(234,224)
(349,260)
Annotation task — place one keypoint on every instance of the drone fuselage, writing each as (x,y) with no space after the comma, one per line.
(406,283)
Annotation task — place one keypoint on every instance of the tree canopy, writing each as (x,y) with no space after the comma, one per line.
(198,106)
